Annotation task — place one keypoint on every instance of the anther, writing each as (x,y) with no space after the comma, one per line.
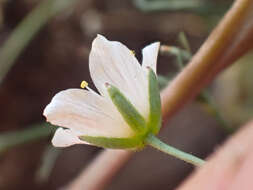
(83,84)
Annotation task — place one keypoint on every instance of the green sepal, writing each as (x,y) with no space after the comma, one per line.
(133,118)
(135,142)
(155,119)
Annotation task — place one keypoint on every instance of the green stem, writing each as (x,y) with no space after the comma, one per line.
(48,162)
(26,30)
(156,143)
(184,42)
(15,138)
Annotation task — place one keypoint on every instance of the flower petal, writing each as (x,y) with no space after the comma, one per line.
(86,112)
(150,54)
(65,138)
(112,62)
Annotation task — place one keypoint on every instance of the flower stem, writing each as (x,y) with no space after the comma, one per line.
(156,143)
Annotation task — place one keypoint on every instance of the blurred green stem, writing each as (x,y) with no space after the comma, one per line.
(203,7)
(33,133)
(172,5)
(49,158)
(181,55)
(184,42)
(26,30)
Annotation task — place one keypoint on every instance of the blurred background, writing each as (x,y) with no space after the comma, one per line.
(44,48)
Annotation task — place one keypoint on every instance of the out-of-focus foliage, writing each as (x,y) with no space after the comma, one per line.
(210,10)
(25,31)
(198,6)
(234,91)
(35,133)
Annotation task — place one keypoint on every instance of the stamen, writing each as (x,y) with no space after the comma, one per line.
(133,52)
(83,84)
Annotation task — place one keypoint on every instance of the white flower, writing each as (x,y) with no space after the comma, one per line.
(87,114)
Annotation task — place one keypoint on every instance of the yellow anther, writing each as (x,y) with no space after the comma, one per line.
(83,84)
(132,52)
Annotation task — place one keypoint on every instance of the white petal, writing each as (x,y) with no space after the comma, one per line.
(86,112)
(150,54)
(112,62)
(65,137)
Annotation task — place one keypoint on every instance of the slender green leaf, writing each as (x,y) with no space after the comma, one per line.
(115,143)
(133,118)
(155,119)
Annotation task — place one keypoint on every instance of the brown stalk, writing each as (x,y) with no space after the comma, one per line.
(232,38)
(101,170)
(230,168)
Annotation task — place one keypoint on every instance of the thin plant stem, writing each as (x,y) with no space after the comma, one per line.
(196,6)
(33,133)
(48,162)
(204,93)
(180,54)
(26,30)
(184,41)
(158,144)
